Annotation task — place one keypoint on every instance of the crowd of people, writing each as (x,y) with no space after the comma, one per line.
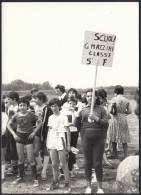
(46,131)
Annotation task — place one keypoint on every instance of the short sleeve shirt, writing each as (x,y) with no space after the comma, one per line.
(57,124)
(25,123)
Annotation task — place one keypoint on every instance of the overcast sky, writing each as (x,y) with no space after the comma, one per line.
(44,42)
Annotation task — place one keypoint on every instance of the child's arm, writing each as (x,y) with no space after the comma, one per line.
(32,135)
(16,137)
(68,137)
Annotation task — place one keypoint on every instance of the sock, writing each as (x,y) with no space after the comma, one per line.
(45,164)
(39,162)
(21,170)
(34,171)
(3,170)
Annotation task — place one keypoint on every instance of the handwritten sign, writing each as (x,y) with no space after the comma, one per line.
(98,46)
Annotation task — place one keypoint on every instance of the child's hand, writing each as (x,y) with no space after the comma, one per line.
(31,136)
(68,148)
(16,137)
(92,116)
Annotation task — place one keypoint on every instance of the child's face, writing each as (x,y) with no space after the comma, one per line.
(58,92)
(71,94)
(23,107)
(55,108)
(72,104)
(7,102)
(38,101)
(101,99)
(89,97)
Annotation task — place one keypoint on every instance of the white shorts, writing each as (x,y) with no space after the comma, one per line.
(58,143)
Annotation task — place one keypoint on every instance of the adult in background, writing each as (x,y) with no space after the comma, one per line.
(128,171)
(92,139)
(119,108)
(60,91)
(34,92)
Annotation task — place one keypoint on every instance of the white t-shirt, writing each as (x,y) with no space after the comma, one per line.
(57,124)
(4,122)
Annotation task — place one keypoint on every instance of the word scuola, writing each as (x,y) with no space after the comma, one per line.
(104,38)
(99,47)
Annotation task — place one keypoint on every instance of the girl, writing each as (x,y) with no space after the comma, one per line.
(44,111)
(60,90)
(57,144)
(92,139)
(119,108)
(24,136)
(69,112)
(102,95)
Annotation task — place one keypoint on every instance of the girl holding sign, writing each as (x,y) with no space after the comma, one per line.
(92,138)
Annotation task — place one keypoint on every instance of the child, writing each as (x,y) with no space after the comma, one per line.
(3,139)
(101,93)
(69,112)
(57,144)
(44,111)
(12,99)
(92,139)
(24,136)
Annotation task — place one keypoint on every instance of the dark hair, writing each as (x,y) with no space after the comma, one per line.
(33,90)
(74,90)
(23,100)
(73,99)
(97,98)
(3,107)
(3,97)
(79,97)
(61,87)
(28,96)
(13,95)
(55,101)
(42,96)
(102,93)
(84,100)
(119,89)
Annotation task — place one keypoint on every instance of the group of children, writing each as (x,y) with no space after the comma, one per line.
(50,131)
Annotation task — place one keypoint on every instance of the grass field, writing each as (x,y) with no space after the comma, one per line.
(78,183)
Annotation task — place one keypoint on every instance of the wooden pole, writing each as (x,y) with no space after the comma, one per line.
(93,93)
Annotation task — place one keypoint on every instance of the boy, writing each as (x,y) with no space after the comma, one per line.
(24,135)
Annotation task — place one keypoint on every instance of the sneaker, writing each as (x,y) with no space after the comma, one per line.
(12,171)
(18,180)
(72,174)
(53,186)
(36,183)
(44,176)
(75,166)
(67,188)
(88,190)
(100,191)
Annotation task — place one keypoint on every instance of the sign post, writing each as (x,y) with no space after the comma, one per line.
(98,49)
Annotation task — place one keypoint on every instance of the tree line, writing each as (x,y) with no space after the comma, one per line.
(19,85)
